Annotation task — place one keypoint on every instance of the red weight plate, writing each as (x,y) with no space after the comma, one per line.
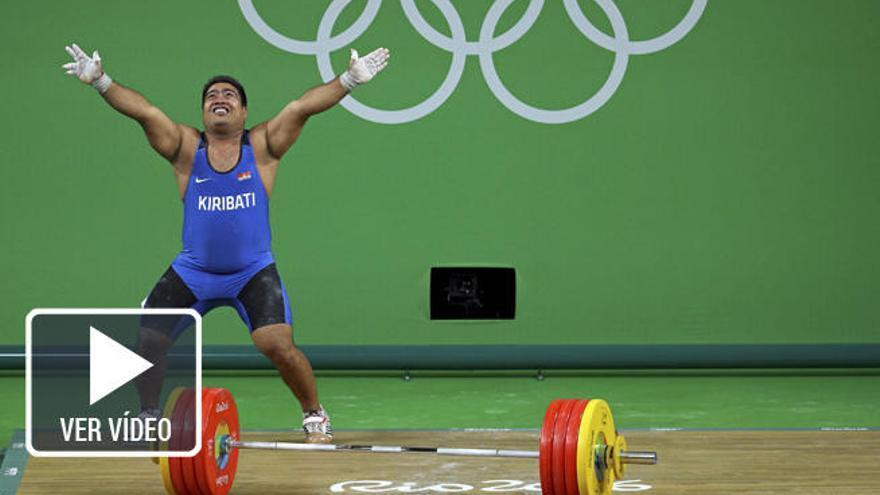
(177,420)
(558,460)
(545,453)
(198,460)
(186,443)
(218,468)
(189,477)
(571,445)
(176,428)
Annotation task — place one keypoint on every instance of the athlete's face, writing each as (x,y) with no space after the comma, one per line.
(222,107)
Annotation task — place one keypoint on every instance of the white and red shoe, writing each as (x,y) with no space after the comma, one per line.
(316,425)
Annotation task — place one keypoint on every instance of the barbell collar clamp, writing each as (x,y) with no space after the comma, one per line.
(638,457)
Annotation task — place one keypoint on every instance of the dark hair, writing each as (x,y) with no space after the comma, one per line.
(226,79)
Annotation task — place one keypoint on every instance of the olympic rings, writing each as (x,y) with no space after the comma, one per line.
(620,44)
(409,114)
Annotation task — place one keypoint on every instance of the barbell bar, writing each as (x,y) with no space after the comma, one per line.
(627,457)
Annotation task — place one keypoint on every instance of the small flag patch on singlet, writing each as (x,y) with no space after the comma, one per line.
(244,176)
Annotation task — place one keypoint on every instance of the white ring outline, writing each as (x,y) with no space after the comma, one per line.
(630,47)
(440,40)
(486,45)
(515,105)
(299,47)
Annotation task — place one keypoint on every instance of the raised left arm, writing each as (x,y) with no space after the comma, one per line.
(283,129)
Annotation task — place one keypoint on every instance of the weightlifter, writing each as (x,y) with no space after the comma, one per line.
(225,175)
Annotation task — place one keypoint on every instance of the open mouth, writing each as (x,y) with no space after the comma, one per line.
(220,110)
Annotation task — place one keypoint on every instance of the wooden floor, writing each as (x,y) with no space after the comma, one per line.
(691,462)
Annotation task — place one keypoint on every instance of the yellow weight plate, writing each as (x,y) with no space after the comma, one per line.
(170,402)
(595,476)
(619,446)
(166,475)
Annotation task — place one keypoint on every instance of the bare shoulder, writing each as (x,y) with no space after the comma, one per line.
(258,136)
(189,141)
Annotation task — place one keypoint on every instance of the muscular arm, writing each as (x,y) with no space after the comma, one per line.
(164,135)
(283,130)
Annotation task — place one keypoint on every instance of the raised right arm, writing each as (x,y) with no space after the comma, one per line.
(164,135)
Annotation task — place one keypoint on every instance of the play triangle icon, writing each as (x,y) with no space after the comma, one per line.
(111,365)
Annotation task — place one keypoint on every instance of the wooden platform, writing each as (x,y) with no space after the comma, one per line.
(691,462)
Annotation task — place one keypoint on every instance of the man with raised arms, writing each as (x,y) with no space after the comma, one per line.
(225,176)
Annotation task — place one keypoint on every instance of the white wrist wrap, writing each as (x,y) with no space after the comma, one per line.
(347,81)
(102,83)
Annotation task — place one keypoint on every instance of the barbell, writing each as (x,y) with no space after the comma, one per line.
(580,451)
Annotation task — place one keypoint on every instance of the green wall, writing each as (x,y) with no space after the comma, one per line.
(726,193)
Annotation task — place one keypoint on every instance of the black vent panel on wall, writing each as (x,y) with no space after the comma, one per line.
(473,293)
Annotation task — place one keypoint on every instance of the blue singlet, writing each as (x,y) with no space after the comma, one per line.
(226,235)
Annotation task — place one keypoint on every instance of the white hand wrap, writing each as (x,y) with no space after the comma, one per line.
(102,83)
(87,69)
(363,69)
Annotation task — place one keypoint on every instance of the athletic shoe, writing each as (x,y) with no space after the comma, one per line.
(150,413)
(316,425)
